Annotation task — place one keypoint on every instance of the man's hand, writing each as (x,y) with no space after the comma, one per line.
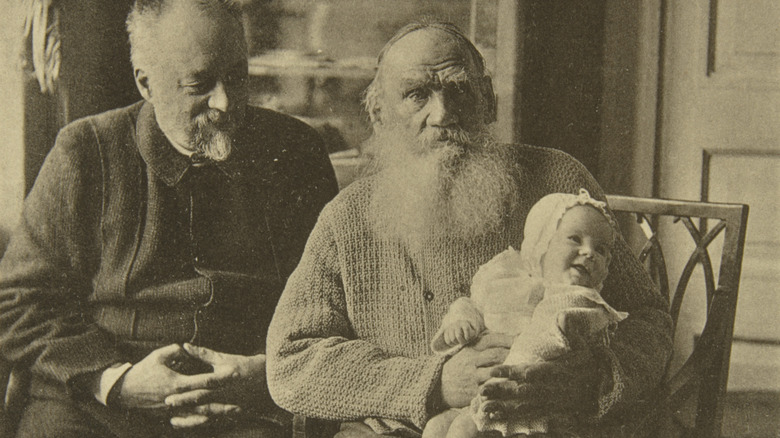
(460,332)
(470,367)
(148,382)
(188,417)
(236,382)
(567,384)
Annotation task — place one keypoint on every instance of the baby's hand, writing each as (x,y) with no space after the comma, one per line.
(459,332)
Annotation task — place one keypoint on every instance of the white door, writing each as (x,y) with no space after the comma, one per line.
(721,142)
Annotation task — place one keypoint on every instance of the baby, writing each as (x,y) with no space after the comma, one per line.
(558,272)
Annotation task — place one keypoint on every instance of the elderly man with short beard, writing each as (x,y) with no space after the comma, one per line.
(349,340)
(155,244)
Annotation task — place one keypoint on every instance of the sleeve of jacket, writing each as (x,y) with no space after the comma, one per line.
(635,360)
(45,275)
(642,344)
(303,180)
(317,365)
(318,181)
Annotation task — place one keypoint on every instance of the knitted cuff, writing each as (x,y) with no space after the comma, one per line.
(611,385)
(435,402)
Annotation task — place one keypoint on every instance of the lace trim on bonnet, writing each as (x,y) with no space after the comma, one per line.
(543,220)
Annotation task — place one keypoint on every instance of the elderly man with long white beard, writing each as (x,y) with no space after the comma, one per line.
(350,337)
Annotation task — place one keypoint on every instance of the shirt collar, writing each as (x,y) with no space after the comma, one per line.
(163,158)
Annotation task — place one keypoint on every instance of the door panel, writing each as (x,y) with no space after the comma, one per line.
(720,141)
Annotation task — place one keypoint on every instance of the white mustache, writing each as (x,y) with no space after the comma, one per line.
(457,136)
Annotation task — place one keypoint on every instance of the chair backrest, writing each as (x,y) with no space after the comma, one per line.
(703,376)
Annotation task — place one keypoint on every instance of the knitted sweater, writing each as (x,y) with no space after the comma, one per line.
(350,337)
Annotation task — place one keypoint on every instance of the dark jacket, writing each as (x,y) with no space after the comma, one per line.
(125,246)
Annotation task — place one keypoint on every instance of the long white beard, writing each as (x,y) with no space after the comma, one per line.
(213,136)
(446,182)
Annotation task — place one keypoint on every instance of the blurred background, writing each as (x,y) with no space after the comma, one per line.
(662,98)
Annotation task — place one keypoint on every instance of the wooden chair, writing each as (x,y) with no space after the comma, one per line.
(689,401)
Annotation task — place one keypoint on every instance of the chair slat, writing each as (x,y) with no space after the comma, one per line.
(704,373)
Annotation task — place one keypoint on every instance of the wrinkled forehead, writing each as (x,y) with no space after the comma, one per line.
(428,55)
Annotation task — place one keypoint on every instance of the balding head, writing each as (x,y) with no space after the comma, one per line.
(151,20)
(448,28)
(434,48)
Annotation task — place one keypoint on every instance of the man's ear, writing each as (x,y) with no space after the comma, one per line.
(372,101)
(142,83)
(489,97)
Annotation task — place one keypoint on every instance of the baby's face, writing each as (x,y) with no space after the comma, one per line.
(580,250)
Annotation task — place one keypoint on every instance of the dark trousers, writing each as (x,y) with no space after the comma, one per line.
(52,413)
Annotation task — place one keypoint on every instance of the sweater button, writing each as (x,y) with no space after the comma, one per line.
(428,296)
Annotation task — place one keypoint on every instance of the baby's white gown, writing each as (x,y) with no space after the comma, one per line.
(506,298)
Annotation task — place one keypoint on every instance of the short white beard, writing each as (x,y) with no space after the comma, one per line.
(213,136)
(447,183)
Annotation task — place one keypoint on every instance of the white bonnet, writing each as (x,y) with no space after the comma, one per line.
(543,219)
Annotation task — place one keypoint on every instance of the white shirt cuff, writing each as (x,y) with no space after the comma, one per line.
(107,380)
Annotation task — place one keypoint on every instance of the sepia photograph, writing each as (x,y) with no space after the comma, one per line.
(409,218)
